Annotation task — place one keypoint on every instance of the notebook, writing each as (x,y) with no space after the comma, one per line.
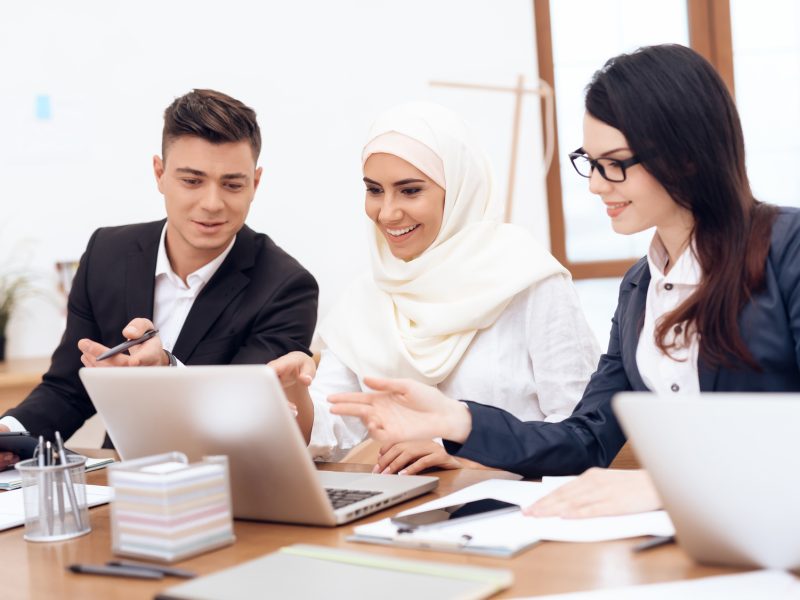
(306,572)
(239,411)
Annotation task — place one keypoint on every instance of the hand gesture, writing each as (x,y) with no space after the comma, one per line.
(402,410)
(293,369)
(147,354)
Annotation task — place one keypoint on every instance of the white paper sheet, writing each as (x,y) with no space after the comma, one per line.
(12,504)
(774,585)
(513,531)
(10,479)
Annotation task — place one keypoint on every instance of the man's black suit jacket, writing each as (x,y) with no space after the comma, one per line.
(260,304)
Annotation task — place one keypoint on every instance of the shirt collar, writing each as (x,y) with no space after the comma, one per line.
(202,275)
(686,270)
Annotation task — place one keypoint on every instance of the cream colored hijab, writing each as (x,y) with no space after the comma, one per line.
(416,319)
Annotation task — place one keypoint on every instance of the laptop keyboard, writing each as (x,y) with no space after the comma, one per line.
(340,497)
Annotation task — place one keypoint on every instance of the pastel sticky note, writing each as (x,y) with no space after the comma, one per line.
(43,108)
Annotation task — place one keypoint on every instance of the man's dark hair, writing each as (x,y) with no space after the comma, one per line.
(212,116)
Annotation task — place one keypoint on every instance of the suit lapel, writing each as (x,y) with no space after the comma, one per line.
(633,319)
(224,286)
(140,271)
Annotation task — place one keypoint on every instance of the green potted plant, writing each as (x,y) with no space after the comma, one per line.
(14,286)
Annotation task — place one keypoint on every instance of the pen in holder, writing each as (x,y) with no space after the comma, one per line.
(166,509)
(54,491)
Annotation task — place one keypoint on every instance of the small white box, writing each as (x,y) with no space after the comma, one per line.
(166,509)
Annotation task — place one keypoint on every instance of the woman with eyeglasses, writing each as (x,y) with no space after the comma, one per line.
(714,306)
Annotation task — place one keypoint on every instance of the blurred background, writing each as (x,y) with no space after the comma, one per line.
(83,86)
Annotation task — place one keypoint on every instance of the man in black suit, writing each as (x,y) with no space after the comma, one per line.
(217,291)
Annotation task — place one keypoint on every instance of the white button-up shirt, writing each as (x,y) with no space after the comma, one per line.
(173,299)
(676,372)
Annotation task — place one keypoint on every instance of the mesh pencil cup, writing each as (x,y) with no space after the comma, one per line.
(55,499)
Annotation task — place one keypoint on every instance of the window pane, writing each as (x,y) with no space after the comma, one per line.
(766,65)
(586,34)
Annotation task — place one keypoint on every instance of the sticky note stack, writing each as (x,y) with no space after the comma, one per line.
(166,509)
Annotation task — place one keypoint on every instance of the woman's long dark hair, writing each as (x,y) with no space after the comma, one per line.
(677,114)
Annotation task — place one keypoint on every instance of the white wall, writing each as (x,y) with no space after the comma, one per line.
(316,72)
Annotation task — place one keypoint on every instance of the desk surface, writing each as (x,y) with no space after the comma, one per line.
(34,570)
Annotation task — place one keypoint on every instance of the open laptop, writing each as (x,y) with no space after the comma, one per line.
(727,467)
(242,412)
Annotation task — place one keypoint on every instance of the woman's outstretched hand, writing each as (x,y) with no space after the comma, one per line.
(401,410)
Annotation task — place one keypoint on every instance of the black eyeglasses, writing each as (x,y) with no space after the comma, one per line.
(610,169)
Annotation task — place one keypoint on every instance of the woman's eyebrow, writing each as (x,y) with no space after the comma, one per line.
(604,154)
(396,183)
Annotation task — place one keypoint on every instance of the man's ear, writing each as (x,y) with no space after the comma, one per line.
(158,170)
(257,178)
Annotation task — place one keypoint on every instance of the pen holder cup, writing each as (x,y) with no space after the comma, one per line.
(55,499)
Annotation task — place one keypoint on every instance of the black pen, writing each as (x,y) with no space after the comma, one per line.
(654,542)
(125,345)
(137,573)
(171,571)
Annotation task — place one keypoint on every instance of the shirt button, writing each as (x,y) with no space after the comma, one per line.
(678,329)
(668,286)
(674,387)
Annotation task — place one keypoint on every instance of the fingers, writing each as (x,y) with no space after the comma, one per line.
(351,398)
(352,409)
(396,386)
(293,368)
(149,354)
(90,350)
(7,459)
(137,328)
(565,500)
(308,368)
(426,462)
(386,458)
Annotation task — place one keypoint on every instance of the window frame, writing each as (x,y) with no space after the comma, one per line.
(709,34)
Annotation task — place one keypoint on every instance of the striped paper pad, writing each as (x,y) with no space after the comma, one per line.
(169,510)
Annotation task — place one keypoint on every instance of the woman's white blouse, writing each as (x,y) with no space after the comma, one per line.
(534,362)
(664,374)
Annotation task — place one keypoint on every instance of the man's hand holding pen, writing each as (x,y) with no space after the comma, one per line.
(148,353)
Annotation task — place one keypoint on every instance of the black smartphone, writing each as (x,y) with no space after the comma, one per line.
(20,443)
(457,512)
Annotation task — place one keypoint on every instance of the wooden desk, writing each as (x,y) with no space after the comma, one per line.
(18,376)
(34,570)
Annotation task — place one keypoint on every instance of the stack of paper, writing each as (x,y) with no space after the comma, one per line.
(508,533)
(12,504)
(170,510)
(11,480)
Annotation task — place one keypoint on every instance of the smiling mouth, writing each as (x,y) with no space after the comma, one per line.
(401,232)
(617,205)
(209,225)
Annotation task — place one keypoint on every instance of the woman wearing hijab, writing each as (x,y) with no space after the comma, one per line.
(455,298)
(714,306)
